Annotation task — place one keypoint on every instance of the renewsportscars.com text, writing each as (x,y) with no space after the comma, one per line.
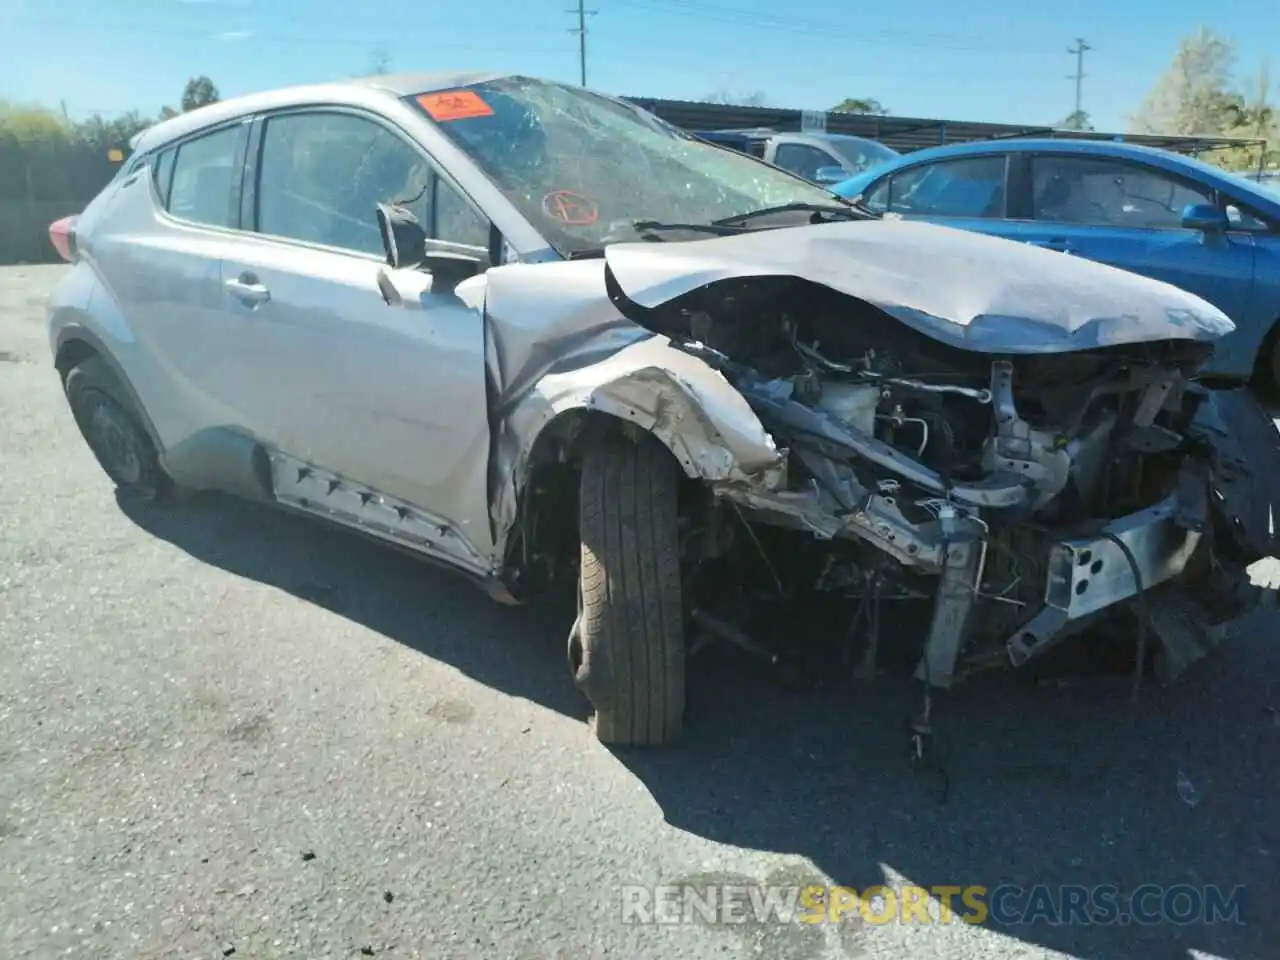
(1005,905)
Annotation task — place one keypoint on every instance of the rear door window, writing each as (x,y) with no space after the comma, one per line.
(803,160)
(204,174)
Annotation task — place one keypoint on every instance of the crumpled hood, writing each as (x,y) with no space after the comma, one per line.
(970,290)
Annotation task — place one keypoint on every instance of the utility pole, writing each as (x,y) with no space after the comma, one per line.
(1078,52)
(581,30)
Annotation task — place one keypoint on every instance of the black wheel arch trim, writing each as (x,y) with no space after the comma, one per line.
(220,458)
(74,332)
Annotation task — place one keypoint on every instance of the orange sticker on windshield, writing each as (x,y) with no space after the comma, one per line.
(455,105)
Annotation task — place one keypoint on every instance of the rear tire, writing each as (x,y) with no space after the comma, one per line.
(627,649)
(113,430)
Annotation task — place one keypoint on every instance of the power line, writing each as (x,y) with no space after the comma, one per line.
(581,30)
(426,36)
(713,13)
(1078,52)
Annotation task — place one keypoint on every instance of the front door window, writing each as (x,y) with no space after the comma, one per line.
(1103,192)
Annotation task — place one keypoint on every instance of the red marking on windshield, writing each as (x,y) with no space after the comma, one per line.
(571,208)
(454,105)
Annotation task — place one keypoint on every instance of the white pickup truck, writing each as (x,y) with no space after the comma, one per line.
(824,158)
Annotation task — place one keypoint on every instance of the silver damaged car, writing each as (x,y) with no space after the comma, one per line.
(540,336)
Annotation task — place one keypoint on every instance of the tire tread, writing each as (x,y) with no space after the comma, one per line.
(94,375)
(632,627)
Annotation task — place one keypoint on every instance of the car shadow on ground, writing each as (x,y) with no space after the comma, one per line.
(1064,783)
(519,650)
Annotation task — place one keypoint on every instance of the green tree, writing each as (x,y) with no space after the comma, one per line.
(198,92)
(48,169)
(1075,120)
(32,124)
(861,105)
(105,135)
(1193,96)
(1196,96)
(1254,117)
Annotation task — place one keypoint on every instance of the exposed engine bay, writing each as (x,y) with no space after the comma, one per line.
(1023,496)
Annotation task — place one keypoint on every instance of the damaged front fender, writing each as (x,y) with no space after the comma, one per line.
(585,357)
(691,408)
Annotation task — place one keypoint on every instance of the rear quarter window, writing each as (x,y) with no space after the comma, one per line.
(162,173)
(876,196)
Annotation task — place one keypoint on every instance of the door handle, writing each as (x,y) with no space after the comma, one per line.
(248,290)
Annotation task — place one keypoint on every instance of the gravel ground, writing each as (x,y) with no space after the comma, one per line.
(226,731)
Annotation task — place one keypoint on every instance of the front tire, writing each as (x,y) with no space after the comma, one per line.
(1266,369)
(112,429)
(627,650)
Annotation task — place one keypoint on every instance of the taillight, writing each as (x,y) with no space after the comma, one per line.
(63,234)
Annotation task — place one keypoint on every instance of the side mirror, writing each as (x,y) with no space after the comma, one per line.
(438,272)
(1206,217)
(829,176)
(449,269)
(403,238)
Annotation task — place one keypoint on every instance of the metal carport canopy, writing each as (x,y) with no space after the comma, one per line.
(904,134)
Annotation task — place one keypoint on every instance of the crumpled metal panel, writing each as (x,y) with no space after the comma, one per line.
(969,290)
(550,354)
(1226,492)
(555,342)
(1089,573)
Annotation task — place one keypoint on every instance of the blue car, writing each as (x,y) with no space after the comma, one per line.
(1147,211)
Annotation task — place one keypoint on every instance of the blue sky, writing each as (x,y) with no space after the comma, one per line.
(1001,60)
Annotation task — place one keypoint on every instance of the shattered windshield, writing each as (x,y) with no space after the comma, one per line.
(585,169)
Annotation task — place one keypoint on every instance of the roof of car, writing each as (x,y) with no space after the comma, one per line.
(1164,159)
(828,137)
(404,84)
(766,133)
(395,85)
(1110,147)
